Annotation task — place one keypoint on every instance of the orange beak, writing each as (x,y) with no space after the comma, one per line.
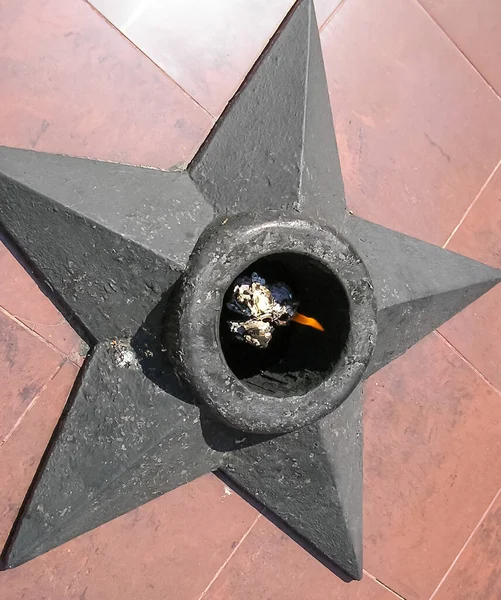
(309,321)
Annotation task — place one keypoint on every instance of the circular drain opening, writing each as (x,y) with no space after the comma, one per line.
(298,357)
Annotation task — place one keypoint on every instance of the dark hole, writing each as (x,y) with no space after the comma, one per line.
(298,357)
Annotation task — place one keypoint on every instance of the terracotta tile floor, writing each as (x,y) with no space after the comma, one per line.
(414,89)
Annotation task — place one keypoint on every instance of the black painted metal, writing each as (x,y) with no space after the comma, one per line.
(312,480)
(107,238)
(225,249)
(139,260)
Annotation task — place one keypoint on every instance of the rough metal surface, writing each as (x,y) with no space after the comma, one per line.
(108,239)
(312,480)
(140,260)
(417,286)
(321,191)
(263,151)
(158,210)
(225,249)
(124,441)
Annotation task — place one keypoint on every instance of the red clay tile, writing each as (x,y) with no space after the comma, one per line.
(26,364)
(21,454)
(476,334)
(268,564)
(72,84)
(432,464)
(417,127)
(21,297)
(324,9)
(78,353)
(474,27)
(476,331)
(477,572)
(207,47)
(168,548)
(479,235)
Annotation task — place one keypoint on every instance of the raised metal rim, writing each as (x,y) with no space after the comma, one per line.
(223,252)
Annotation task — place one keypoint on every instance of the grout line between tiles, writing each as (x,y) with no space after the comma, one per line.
(396,594)
(33,332)
(330,17)
(75,363)
(475,529)
(100,14)
(474,201)
(218,572)
(256,58)
(432,19)
(30,405)
(483,377)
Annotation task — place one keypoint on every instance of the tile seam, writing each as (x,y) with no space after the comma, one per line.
(177,84)
(222,567)
(465,57)
(18,321)
(16,425)
(331,16)
(386,587)
(475,529)
(471,365)
(473,203)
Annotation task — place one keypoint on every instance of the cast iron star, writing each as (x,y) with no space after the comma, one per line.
(110,241)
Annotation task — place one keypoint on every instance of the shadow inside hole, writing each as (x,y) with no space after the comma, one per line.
(298,357)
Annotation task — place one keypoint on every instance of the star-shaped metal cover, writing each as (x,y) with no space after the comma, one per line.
(139,261)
